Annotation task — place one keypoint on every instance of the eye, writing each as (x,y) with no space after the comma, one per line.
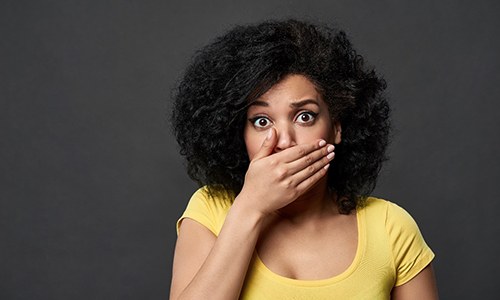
(260,122)
(306,117)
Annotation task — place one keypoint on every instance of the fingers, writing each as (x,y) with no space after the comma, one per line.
(268,145)
(304,172)
(301,165)
(309,169)
(299,151)
(288,173)
(312,173)
(311,179)
(324,153)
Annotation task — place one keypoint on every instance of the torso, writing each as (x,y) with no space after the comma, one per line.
(370,269)
(313,251)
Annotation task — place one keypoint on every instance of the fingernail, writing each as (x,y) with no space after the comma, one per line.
(322,143)
(326,167)
(330,148)
(331,155)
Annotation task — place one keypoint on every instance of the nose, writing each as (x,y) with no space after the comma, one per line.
(285,136)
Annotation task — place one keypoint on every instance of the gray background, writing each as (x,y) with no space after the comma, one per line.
(91,179)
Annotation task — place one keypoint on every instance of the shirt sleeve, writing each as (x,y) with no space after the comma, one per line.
(208,210)
(199,209)
(410,252)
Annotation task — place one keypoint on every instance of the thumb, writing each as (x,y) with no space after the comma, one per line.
(268,145)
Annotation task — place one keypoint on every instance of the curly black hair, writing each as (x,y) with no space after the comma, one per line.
(224,77)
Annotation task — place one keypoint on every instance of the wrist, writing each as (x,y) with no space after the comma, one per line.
(244,211)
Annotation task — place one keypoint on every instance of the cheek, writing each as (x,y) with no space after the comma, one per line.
(311,134)
(329,132)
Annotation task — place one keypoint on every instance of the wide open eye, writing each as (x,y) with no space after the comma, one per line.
(306,117)
(260,122)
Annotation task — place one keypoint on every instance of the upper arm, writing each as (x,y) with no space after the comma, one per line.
(421,287)
(193,245)
(410,252)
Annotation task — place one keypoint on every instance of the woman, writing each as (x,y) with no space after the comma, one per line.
(285,129)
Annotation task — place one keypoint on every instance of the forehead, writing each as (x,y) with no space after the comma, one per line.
(292,91)
(293,87)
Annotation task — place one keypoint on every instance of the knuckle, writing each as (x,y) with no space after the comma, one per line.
(311,169)
(309,159)
(288,183)
(281,173)
(302,151)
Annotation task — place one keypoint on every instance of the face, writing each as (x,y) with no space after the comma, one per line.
(296,110)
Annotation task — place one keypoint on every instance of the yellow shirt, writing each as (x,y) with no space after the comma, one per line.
(390,252)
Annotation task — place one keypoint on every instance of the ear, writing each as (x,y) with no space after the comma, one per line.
(337,132)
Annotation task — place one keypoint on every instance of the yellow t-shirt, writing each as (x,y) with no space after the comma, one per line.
(390,252)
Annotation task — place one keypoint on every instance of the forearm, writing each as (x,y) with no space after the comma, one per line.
(222,274)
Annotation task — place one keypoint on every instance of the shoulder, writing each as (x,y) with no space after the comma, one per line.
(390,212)
(399,225)
(208,207)
(211,199)
(410,253)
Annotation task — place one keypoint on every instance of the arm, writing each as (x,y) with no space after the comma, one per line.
(207,265)
(216,266)
(421,287)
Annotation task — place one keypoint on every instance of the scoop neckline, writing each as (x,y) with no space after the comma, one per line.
(360,221)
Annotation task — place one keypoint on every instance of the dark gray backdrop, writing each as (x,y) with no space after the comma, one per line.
(91,180)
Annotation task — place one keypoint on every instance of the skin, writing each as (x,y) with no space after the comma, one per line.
(289,138)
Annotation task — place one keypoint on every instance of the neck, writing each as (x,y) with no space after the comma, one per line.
(316,203)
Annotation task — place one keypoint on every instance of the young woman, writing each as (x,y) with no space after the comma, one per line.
(285,129)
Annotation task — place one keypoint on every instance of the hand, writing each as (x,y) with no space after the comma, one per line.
(275,180)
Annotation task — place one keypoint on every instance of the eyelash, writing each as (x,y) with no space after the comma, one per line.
(312,114)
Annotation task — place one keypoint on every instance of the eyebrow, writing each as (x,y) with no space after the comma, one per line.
(259,103)
(293,104)
(304,102)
